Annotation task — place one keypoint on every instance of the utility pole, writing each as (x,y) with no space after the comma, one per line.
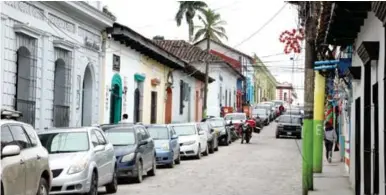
(310,56)
(205,106)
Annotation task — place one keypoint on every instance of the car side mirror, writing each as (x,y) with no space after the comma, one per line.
(10,150)
(174,136)
(143,142)
(99,148)
(201,133)
(211,130)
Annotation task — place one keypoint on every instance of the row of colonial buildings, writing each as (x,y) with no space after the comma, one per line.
(68,63)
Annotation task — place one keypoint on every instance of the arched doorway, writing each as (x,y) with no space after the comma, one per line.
(168,106)
(116,99)
(87,97)
(137,101)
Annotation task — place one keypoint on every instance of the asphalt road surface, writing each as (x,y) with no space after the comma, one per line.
(266,166)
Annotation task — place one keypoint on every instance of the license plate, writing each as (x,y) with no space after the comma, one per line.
(289,133)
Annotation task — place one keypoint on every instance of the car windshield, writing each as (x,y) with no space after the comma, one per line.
(259,112)
(294,112)
(159,133)
(121,137)
(216,122)
(236,117)
(65,142)
(184,130)
(278,103)
(289,119)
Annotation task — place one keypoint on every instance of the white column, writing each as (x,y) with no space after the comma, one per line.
(73,109)
(2,37)
(44,61)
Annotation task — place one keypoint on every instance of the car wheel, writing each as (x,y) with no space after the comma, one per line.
(178,160)
(211,148)
(139,177)
(277,135)
(153,168)
(227,140)
(206,152)
(198,156)
(43,187)
(93,185)
(112,187)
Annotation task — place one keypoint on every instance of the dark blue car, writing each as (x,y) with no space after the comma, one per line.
(166,145)
(134,150)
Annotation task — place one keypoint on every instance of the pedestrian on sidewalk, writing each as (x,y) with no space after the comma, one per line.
(330,138)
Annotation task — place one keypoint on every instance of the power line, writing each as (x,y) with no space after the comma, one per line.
(262,27)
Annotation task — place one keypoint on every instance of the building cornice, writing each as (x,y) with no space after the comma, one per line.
(66,45)
(84,12)
(28,30)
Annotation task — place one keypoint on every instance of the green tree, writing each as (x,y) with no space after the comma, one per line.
(188,10)
(211,29)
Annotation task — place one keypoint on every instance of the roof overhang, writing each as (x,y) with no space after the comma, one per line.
(194,72)
(368,50)
(340,22)
(134,40)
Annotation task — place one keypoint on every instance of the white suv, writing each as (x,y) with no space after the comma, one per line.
(192,141)
(24,161)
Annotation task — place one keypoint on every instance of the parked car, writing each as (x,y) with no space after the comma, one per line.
(212,136)
(294,112)
(81,160)
(271,114)
(218,124)
(289,125)
(106,127)
(166,145)
(273,106)
(263,116)
(24,161)
(134,151)
(192,141)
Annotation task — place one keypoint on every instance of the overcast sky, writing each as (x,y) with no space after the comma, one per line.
(243,17)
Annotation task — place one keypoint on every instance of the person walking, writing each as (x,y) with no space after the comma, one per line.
(281,109)
(330,138)
(125,118)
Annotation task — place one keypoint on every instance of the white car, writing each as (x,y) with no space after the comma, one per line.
(192,141)
(81,160)
(24,161)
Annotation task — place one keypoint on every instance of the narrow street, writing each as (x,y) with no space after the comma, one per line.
(267,166)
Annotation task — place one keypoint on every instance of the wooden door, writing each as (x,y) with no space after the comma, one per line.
(197,106)
(169,105)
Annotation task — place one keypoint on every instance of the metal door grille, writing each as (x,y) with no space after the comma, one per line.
(62,88)
(26,76)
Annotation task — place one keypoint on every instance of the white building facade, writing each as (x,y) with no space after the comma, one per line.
(241,63)
(51,61)
(367,139)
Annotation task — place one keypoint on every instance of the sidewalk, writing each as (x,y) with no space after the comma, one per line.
(334,179)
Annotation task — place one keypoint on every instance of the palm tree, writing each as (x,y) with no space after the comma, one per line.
(188,10)
(212,29)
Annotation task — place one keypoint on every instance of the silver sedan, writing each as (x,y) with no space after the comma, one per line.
(81,160)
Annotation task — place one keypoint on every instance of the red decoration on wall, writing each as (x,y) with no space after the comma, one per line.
(292,40)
